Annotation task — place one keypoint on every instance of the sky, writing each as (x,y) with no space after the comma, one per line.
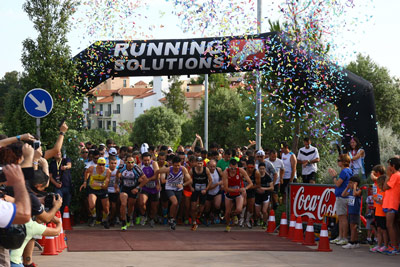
(369,27)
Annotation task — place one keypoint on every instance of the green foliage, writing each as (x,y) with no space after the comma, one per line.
(386,90)
(47,63)
(98,136)
(389,143)
(176,99)
(226,119)
(159,125)
(215,81)
(10,82)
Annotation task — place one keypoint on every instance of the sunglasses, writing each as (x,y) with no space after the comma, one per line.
(85,152)
(102,164)
(130,162)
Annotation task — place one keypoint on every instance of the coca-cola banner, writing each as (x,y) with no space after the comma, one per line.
(312,201)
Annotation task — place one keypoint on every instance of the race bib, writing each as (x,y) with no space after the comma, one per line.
(374,190)
(380,197)
(199,187)
(151,184)
(129,183)
(351,200)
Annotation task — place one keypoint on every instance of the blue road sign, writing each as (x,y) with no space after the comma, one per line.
(38,103)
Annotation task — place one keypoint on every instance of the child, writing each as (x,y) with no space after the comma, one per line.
(370,214)
(353,193)
(380,218)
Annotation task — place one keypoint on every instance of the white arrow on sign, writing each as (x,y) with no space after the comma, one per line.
(40,106)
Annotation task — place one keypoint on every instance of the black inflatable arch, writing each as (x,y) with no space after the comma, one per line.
(268,52)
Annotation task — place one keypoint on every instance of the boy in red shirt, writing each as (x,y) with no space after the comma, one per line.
(391,203)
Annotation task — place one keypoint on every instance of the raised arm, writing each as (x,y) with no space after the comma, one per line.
(48,154)
(11,140)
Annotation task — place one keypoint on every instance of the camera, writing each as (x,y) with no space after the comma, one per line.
(48,200)
(36,145)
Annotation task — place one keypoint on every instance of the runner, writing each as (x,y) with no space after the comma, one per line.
(289,163)
(99,178)
(201,183)
(278,179)
(263,194)
(151,190)
(113,195)
(250,193)
(214,194)
(177,178)
(233,183)
(129,177)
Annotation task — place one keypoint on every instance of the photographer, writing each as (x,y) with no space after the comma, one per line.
(18,212)
(60,177)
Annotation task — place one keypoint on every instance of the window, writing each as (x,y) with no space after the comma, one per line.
(114,126)
(100,124)
(135,105)
(101,107)
(124,83)
(108,125)
(141,104)
(118,108)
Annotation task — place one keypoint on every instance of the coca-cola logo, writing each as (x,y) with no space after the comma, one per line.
(315,206)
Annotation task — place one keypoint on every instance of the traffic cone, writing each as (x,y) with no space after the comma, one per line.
(283,228)
(324,239)
(66,221)
(61,239)
(49,246)
(309,239)
(271,222)
(298,232)
(292,226)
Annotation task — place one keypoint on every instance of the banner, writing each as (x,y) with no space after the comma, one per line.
(312,201)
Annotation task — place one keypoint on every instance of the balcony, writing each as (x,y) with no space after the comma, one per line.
(116,111)
(107,113)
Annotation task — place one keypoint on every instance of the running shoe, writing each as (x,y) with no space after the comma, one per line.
(106,225)
(91,221)
(356,245)
(137,220)
(128,224)
(349,245)
(124,228)
(342,242)
(152,223)
(227,229)
(374,249)
(98,222)
(194,227)
(241,221)
(334,241)
(143,220)
(173,225)
(382,249)
(390,251)
(235,220)
(249,225)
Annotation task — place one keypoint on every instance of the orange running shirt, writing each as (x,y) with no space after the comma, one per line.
(392,195)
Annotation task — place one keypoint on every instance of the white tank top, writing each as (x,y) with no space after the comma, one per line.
(287,165)
(215,179)
(111,188)
(356,165)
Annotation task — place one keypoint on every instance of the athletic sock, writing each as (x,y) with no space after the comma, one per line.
(243,213)
(248,217)
(105,216)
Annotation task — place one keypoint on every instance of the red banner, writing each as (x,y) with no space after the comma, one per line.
(312,201)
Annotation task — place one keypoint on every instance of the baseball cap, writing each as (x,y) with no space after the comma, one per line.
(112,151)
(260,153)
(101,161)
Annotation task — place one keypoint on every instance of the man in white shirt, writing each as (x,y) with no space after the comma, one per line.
(308,157)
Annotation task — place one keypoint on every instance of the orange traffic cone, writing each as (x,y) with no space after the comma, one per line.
(49,246)
(61,238)
(309,239)
(283,228)
(298,232)
(66,221)
(292,226)
(324,239)
(271,222)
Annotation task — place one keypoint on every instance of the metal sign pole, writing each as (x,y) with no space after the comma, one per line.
(38,127)
(206,112)
(258,90)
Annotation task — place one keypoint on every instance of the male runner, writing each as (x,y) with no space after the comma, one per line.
(250,193)
(99,178)
(113,195)
(129,176)
(214,193)
(177,178)
(201,183)
(263,193)
(233,178)
(151,190)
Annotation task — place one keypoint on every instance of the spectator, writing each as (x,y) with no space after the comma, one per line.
(357,155)
(289,163)
(308,157)
(18,212)
(353,193)
(391,203)
(280,170)
(341,183)
(60,177)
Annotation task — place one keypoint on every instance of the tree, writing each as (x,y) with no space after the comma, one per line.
(386,90)
(175,98)
(48,65)
(10,82)
(226,119)
(159,125)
